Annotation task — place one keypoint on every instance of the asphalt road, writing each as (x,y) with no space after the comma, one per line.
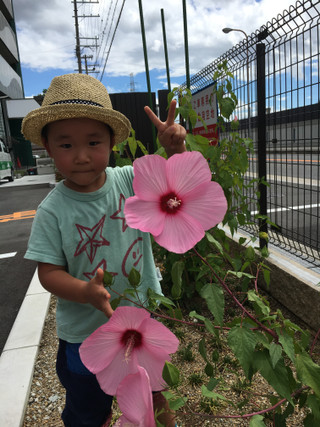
(293,195)
(17,209)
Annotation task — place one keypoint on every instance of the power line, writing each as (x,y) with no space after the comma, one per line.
(104,30)
(114,33)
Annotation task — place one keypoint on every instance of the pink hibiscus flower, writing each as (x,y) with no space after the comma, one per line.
(135,401)
(175,199)
(128,340)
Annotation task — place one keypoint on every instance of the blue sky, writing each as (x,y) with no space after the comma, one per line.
(46,37)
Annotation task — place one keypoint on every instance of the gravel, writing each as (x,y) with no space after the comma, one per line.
(46,398)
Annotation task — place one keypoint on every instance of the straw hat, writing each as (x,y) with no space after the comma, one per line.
(74,96)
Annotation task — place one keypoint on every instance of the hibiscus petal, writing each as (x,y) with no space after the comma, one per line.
(158,343)
(186,171)
(150,180)
(144,215)
(180,233)
(99,350)
(155,334)
(137,408)
(153,360)
(127,318)
(206,203)
(110,378)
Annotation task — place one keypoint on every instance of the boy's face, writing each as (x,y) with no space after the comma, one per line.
(80,149)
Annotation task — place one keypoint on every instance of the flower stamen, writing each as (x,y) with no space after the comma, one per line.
(129,348)
(170,203)
(173,203)
(131,339)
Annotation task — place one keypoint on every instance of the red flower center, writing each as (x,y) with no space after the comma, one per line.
(131,339)
(170,203)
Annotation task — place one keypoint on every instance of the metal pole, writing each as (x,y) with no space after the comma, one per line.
(226,31)
(186,48)
(248,90)
(165,49)
(262,150)
(76,24)
(147,69)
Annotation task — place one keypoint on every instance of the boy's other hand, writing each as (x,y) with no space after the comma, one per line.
(171,135)
(97,295)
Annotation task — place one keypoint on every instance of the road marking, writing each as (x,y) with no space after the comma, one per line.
(8,255)
(17,215)
(283,160)
(289,208)
(280,179)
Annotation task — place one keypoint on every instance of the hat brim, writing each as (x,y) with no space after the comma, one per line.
(34,121)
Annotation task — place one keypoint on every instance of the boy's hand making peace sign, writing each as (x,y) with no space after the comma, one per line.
(171,135)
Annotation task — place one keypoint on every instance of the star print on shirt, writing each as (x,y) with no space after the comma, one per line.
(103,265)
(117,214)
(91,239)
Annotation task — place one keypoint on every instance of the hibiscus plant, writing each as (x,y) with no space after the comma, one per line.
(216,281)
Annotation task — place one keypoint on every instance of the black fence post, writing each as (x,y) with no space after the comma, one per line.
(262,150)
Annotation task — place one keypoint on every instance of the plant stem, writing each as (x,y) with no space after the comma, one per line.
(222,282)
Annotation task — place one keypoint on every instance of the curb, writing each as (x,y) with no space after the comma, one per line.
(20,354)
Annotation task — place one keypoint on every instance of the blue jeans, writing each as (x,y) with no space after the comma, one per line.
(86,404)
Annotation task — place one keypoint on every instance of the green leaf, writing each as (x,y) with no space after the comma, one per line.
(308,372)
(210,327)
(213,382)
(275,352)
(276,376)
(287,343)
(175,403)
(133,146)
(134,278)
(266,275)
(227,106)
(171,374)
(240,274)
(142,147)
(176,275)
(252,296)
(107,278)
(130,291)
(314,404)
(242,240)
(257,421)
(213,294)
(203,350)
(160,298)
(215,242)
(243,341)
(250,253)
(211,394)
(196,315)
(209,370)
(114,303)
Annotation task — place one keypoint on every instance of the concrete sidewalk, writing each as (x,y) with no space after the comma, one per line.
(45,180)
(21,349)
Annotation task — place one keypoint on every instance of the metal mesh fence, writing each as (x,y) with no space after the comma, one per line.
(286,133)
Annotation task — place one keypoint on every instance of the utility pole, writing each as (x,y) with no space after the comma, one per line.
(76,24)
(132,86)
(78,38)
(85,57)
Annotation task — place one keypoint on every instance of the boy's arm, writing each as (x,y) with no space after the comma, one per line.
(56,280)
(171,135)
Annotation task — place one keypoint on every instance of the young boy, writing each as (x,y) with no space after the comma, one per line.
(80,230)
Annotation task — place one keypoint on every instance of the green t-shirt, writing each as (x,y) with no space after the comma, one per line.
(87,231)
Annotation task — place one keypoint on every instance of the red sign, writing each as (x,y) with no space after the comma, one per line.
(205,104)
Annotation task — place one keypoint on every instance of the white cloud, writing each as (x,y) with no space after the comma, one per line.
(46,32)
